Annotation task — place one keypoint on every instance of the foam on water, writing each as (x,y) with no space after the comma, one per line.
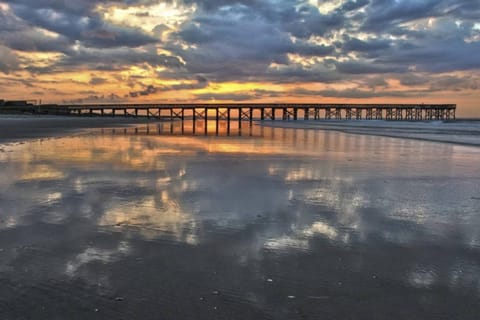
(466,132)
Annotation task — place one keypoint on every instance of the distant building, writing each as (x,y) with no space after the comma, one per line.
(15,103)
(2,102)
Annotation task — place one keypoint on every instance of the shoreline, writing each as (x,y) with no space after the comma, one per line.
(23,128)
(463,132)
(460,132)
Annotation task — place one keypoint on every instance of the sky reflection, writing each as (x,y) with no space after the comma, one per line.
(355,201)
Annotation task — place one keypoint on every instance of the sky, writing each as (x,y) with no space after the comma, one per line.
(338,51)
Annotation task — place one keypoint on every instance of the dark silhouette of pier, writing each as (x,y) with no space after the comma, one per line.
(252,111)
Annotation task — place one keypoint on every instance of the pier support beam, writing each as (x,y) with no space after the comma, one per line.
(246,112)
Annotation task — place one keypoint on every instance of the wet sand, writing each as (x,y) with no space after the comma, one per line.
(22,128)
(274,224)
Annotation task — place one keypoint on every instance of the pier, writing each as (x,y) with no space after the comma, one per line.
(251,111)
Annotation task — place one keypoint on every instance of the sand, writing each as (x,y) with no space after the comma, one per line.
(14,128)
(279,224)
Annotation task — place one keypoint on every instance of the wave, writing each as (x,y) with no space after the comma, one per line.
(463,132)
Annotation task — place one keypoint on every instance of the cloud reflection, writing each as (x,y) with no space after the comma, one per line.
(92,254)
(285,191)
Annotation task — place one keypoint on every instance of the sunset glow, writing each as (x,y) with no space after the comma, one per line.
(241,51)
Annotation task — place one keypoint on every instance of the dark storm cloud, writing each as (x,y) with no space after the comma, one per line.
(88,28)
(18,34)
(296,17)
(363,67)
(73,7)
(382,14)
(241,41)
(77,20)
(309,22)
(354,44)
(33,40)
(363,42)
(306,49)
(11,23)
(231,44)
(353,5)
(79,33)
(436,56)
(230,41)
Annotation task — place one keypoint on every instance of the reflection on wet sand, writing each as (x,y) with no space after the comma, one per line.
(257,219)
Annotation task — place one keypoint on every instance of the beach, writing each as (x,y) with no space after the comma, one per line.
(289,220)
(26,127)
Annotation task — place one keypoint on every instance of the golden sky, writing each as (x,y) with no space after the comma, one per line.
(362,51)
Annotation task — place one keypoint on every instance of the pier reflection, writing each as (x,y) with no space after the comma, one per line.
(191,128)
(256,219)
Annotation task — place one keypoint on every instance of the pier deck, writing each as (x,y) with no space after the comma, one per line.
(250,111)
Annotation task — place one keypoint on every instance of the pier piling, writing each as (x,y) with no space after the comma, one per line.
(254,111)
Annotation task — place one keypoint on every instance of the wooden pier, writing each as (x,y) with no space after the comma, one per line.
(254,111)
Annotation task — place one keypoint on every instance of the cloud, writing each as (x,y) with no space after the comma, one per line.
(96,98)
(375,82)
(413,80)
(94,80)
(454,83)
(353,93)
(438,56)
(232,43)
(365,43)
(148,90)
(382,14)
(354,44)
(308,21)
(353,5)
(9,61)
(242,40)
(200,83)
(240,96)
(90,30)
(368,67)
(224,96)
(111,59)
(32,40)
(321,73)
